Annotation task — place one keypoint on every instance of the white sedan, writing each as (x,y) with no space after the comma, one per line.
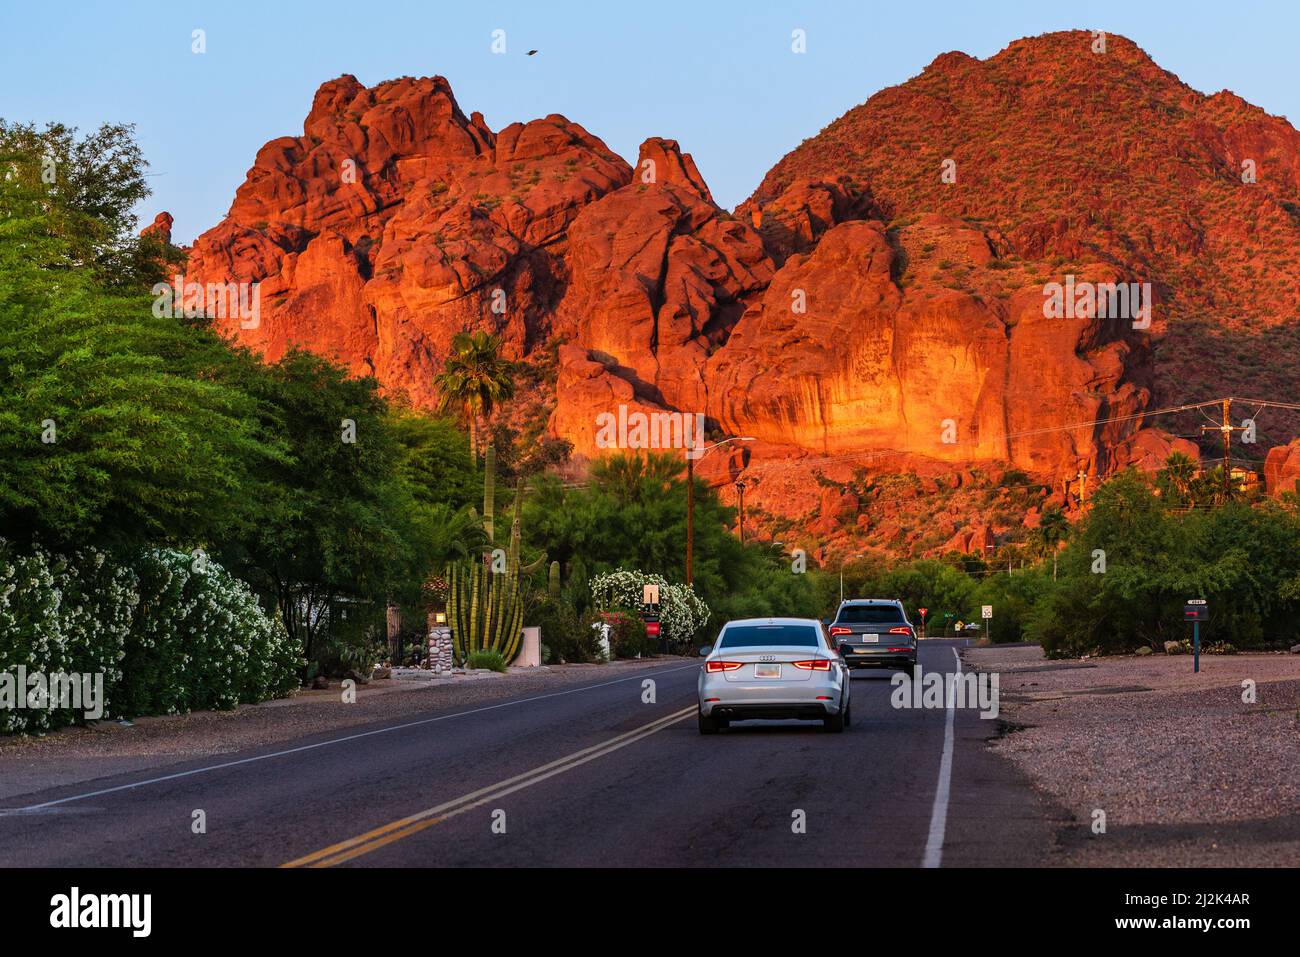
(773,669)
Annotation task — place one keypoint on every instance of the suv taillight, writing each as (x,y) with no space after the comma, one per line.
(840,630)
(903,630)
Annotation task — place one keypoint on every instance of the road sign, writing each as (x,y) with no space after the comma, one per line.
(986,611)
(652,629)
(649,594)
(922,611)
(959,626)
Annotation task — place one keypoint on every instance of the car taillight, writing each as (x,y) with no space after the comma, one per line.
(716,666)
(902,630)
(840,630)
(817,664)
(900,649)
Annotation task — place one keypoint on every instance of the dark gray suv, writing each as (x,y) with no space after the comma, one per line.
(874,633)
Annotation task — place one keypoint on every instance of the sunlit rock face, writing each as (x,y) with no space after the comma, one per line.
(836,357)
(861,302)
(395,221)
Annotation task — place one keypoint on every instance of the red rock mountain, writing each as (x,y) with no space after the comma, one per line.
(872,308)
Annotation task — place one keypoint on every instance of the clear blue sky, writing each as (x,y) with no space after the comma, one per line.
(717,75)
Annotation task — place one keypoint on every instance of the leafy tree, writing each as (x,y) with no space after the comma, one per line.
(1053,528)
(114,427)
(336,523)
(1135,560)
(82,192)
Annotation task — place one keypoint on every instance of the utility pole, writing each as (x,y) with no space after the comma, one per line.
(690,515)
(1226,428)
(740,494)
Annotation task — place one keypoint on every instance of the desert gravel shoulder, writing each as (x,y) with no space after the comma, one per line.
(77,754)
(1186,771)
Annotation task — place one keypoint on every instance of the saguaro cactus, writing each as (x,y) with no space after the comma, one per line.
(553,581)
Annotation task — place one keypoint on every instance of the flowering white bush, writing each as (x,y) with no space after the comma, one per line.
(62,616)
(201,640)
(169,635)
(682,613)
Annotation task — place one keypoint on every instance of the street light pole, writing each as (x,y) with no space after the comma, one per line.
(691,455)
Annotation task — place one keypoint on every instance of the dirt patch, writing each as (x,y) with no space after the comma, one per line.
(1186,769)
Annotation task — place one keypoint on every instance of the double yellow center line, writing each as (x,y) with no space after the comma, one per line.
(414,823)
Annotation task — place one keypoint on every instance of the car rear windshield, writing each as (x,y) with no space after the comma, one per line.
(746,636)
(869,614)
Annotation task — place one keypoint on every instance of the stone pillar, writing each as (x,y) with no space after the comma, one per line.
(530,649)
(440,658)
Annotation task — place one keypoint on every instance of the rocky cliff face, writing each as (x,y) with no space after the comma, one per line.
(870,300)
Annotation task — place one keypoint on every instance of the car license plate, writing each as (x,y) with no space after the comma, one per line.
(871,639)
(767,671)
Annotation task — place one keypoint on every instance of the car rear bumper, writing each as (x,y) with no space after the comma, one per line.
(880,659)
(773,711)
(772,701)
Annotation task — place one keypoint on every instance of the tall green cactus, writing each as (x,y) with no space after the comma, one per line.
(486,608)
(553,581)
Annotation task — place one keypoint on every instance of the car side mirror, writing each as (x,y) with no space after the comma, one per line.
(826,622)
(704,650)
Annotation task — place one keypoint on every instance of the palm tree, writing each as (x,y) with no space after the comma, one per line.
(474,379)
(1177,477)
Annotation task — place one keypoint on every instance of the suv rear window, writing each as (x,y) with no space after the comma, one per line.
(744,636)
(869,614)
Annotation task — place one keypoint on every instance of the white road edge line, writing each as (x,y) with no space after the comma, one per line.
(939,816)
(321,744)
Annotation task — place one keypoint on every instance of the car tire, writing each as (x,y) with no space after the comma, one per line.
(708,725)
(834,722)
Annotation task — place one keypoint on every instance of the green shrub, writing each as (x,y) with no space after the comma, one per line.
(486,658)
(627,637)
(566,640)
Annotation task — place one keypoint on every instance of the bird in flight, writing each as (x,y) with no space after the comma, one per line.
(531,52)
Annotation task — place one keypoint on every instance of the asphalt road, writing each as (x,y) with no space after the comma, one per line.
(592,776)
